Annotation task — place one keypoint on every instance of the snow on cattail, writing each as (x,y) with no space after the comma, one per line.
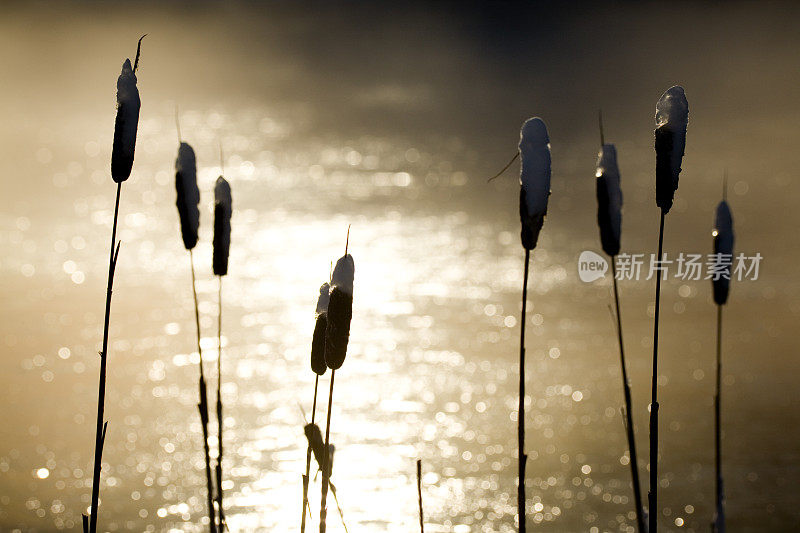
(340,311)
(223,206)
(318,364)
(127,121)
(609,199)
(723,246)
(534,147)
(672,117)
(188,194)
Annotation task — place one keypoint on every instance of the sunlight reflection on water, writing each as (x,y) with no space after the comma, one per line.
(432,367)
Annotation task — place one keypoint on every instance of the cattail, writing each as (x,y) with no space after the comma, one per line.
(222,226)
(337,335)
(723,250)
(121,163)
(319,368)
(188,194)
(314,437)
(189,214)
(223,205)
(315,442)
(318,364)
(609,199)
(723,244)
(609,219)
(127,121)
(534,148)
(340,311)
(672,117)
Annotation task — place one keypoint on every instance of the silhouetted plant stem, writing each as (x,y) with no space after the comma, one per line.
(100,434)
(521,414)
(219,405)
(339,507)
(326,474)
(419,492)
(308,457)
(717,429)
(202,406)
(653,495)
(628,409)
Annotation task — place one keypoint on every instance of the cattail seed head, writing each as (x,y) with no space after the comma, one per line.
(223,207)
(609,199)
(126,124)
(188,194)
(534,148)
(314,436)
(723,244)
(318,364)
(672,117)
(340,312)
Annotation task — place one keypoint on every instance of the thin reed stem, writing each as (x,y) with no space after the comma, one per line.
(521,413)
(219,405)
(637,492)
(326,475)
(653,495)
(717,428)
(419,492)
(308,458)
(100,434)
(202,406)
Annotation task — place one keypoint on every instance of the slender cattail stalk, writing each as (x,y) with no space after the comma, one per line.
(125,128)
(718,525)
(609,220)
(419,494)
(319,367)
(522,456)
(337,336)
(188,198)
(672,116)
(223,208)
(219,406)
(534,149)
(323,511)
(652,497)
(723,252)
(628,414)
(202,406)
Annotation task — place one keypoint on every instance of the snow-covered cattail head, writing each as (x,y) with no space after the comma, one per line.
(223,206)
(318,364)
(188,194)
(126,124)
(723,244)
(534,149)
(340,312)
(609,199)
(672,117)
